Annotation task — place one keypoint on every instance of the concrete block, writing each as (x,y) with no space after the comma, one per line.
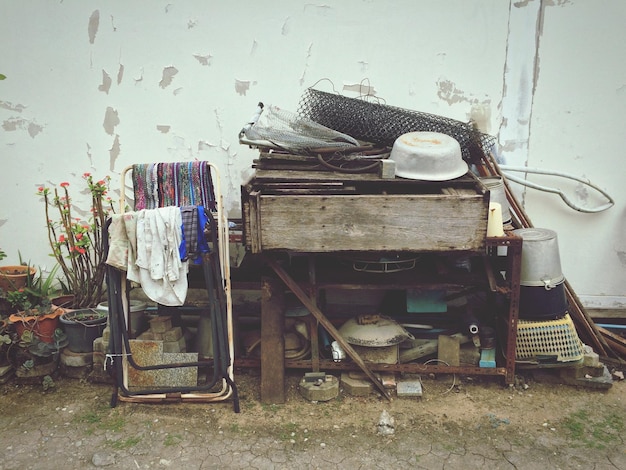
(173,334)
(74,359)
(448,350)
(323,390)
(177,346)
(161,324)
(357,387)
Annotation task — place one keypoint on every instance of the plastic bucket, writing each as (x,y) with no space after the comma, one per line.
(82,327)
(538,303)
(138,320)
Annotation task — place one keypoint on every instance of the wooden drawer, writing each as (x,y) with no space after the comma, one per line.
(364,213)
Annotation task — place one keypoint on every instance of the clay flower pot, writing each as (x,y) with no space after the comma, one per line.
(15,277)
(42,325)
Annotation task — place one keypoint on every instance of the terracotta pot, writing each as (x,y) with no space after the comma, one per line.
(14,277)
(63,302)
(42,326)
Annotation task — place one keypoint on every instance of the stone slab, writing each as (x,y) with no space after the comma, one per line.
(152,353)
(409,388)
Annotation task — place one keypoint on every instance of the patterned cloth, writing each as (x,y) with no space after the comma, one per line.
(173,184)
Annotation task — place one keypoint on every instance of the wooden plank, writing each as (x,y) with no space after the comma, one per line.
(272,342)
(373,223)
(317,313)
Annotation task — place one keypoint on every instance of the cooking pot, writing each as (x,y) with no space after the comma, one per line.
(430,156)
(373,331)
(541,263)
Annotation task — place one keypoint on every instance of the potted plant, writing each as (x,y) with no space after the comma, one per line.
(34,310)
(14,276)
(82,327)
(77,243)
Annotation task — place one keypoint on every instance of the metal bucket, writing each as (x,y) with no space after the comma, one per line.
(541,263)
(497,194)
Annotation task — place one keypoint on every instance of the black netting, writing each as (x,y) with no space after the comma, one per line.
(382,124)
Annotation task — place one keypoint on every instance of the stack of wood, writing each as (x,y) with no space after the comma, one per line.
(609,346)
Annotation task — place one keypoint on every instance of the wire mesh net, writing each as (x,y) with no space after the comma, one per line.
(382,124)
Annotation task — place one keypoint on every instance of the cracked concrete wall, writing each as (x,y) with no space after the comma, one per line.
(95,86)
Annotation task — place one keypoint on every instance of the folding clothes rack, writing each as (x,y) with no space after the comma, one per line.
(181,184)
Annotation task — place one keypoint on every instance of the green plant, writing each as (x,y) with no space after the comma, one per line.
(77,244)
(34,298)
(2,254)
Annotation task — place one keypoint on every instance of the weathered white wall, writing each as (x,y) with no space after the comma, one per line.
(95,86)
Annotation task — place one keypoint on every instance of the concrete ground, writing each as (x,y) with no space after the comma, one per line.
(470,424)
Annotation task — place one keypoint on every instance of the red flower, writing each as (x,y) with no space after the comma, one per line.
(86,175)
(65,184)
(40,188)
(78,236)
(61,238)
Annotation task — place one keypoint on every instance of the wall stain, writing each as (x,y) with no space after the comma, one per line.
(163,129)
(306,64)
(94,23)
(111,119)
(106,82)
(168,76)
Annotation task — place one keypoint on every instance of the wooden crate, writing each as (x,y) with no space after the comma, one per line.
(306,212)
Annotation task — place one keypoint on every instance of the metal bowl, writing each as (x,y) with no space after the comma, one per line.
(374,331)
(429,156)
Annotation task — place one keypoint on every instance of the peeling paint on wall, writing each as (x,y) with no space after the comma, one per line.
(111,119)
(254,47)
(12,107)
(89,155)
(14,124)
(177,91)
(448,92)
(120,74)
(203,59)
(140,77)
(192,24)
(106,82)
(306,64)
(285,30)
(94,23)
(361,88)
(114,152)
(163,129)
(168,76)
(242,86)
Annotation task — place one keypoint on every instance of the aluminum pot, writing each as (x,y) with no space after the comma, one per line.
(428,156)
(373,331)
(541,262)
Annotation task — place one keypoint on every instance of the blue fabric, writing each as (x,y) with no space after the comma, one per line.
(203,244)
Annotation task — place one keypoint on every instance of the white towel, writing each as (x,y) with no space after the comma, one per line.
(158,267)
